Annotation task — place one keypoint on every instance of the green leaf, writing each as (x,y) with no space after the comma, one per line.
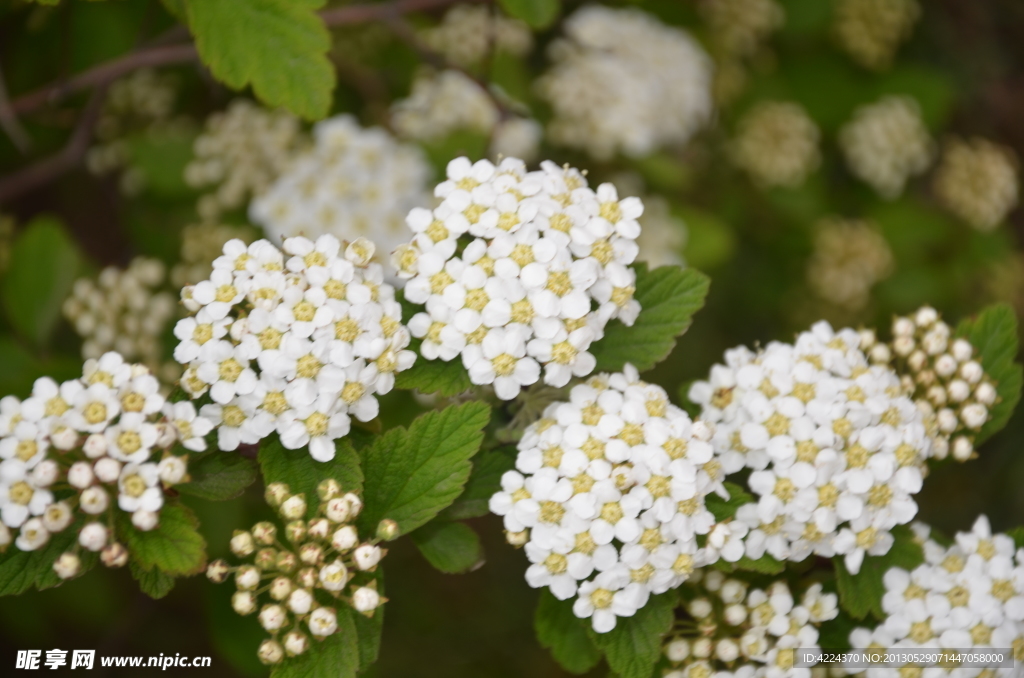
(668,296)
(1017,534)
(633,647)
(861,594)
(411,475)
(337,656)
(562,632)
(994,335)
(21,570)
(724,509)
(484,481)
(302,473)
(174,546)
(536,13)
(449,547)
(161,158)
(766,564)
(435,376)
(277,46)
(218,476)
(154,583)
(369,629)
(43,265)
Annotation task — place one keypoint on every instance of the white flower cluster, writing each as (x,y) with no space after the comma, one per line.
(442,103)
(107,436)
(886,143)
(353,183)
(293,343)
(871,31)
(944,377)
(835,448)
(543,270)
(239,155)
(608,496)
(124,310)
(663,234)
(316,560)
(739,27)
(745,633)
(850,256)
(777,144)
(623,81)
(468,33)
(977,181)
(200,245)
(967,596)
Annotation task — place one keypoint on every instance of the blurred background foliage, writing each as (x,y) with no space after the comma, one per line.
(784,247)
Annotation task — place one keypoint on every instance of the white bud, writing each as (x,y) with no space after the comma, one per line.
(57,516)
(300,601)
(114,555)
(80,475)
(903,327)
(917,360)
(355,504)
(753,643)
(934,343)
(247,578)
(367,556)
(677,650)
(945,365)
(903,346)
(937,395)
(867,338)
(95,446)
(713,580)
(67,565)
(985,393)
(947,420)
(94,500)
(940,447)
(93,536)
(172,470)
(294,507)
(972,372)
(958,390)
(107,470)
(702,648)
(242,543)
(365,599)
(64,438)
(962,350)
(700,608)
(974,415)
(517,538)
(880,354)
(323,622)
(145,520)
(735,614)
(270,651)
(280,588)
(962,448)
(338,510)
(925,316)
(733,591)
(727,650)
(295,643)
(345,538)
(167,435)
(334,576)
(45,473)
(5,536)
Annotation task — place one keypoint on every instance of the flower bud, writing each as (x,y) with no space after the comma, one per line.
(264,533)
(57,516)
(917,360)
(735,614)
(387,530)
(937,395)
(247,578)
(945,365)
(286,562)
(295,531)
(903,346)
(700,608)
(972,372)
(727,650)
(80,475)
(677,650)
(64,438)
(926,316)
(270,652)
(334,576)
(958,390)
(985,393)
(946,420)
(95,446)
(328,489)
(243,602)
(217,571)
(306,577)
(242,543)
(940,447)
(355,504)
(5,537)
(93,536)
(311,554)
(702,648)
(733,591)
(963,448)
(903,327)
(266,559)
(67,565)
(366,600)
(880,354)
(974,416)
(517,539)
(713,581)
(276,493)
(295,643)
(107,470)
(167,435)
(280,588)
(338,510)
(318,528)
(114,555)
(172,470)
(367,556)
(962,350)
(145,520)
(294,507)
(300,601)
(45,473)
(323,621)
(345,538)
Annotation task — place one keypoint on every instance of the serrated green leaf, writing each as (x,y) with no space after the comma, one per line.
(633,647)
(435,376)
(411,475)
(536,13)
(766,564)
(302,473)
(484,481)
(562,632)
(993,333)
(450,547)
(861,594)
(154,583)
(337,656)
(43,265)
(22,570)
(668,296)
(218,476)
(277,46)
(724,509)
(174,546)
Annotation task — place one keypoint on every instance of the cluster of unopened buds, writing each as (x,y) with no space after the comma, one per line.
(943,375)
(306,570)
(87,446)
(729,629)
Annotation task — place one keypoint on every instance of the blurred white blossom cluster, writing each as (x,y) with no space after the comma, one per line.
(738,31)
(886,143)
(468,33)
(777,144)
(977,181)
(850,256)
(352,183)
(621,81)
(107,437)
(449,101)
(294,341)
(125,310)
(732,630)
(608,497)
(240,153)
(871,31)
(519,270)
(836,450)
(966,596)
(322,558)
(663,234)
(200,245)
(943,375)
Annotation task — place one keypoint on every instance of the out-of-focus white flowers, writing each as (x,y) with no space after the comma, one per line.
(777,144)
(977,181)
(608,497)
(468,33)
(200,245)
(517,270)
(352,183)
(621,81)
(850,256)
(871,31)
(886,143)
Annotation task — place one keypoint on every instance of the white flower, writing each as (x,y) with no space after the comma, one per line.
(323,622)
(190,428)
(500,359)
(139,487)
(92,537)
(172,470)
(367,556)
(32,535)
